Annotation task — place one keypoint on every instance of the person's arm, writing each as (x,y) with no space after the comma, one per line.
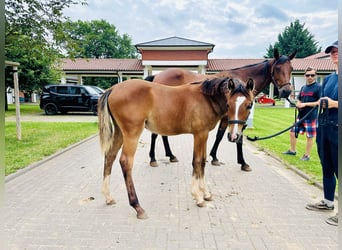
(331,103)
(307,104)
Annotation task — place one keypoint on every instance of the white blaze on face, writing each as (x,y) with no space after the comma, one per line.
(238,103)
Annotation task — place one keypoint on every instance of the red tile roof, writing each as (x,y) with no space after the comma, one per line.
(81,64)
(135,65)
(319,64)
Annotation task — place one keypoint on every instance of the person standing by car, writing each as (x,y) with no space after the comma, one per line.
(327,138)
(308,98)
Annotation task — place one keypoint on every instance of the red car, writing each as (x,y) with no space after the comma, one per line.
(265,100)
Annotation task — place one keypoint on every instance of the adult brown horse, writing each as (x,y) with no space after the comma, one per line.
(126,108)
(277,70)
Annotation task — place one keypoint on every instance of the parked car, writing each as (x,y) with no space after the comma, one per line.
(68,97)
(98,89)
(264,99)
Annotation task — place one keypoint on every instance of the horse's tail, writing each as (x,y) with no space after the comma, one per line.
(149,78)
(106,123)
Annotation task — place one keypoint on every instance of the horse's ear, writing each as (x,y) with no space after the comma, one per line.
(292,55)
(250,84)
(276,53)
(230,84)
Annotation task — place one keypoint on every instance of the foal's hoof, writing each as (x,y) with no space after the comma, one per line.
(142,216)
(209,198)
(110,202)
(201,204)
(153,164)
(173,159)
(246,168)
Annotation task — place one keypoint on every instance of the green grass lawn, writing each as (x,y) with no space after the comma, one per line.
(25,109)
(269,120)
(39,139)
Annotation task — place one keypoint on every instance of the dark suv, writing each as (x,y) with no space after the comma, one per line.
(67,97)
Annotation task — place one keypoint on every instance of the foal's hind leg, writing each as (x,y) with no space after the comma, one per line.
(108,164)
(126,162)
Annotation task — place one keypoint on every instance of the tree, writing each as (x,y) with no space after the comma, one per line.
(96,39)
(32,30)
(295,37)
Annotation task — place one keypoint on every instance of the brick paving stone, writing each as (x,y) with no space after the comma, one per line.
(58,204)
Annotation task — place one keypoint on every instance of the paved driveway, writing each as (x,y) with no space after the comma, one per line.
(57,204)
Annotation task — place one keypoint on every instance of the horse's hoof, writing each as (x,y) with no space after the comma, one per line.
(215,163)
(201,204)
(153,164)
(142,216)
(173,159)
(110,202)
(209,198)
(246,168)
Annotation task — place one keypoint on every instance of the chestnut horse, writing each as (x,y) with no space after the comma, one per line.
(277,70)
(126,108)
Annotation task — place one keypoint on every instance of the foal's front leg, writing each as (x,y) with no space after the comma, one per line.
(199,188)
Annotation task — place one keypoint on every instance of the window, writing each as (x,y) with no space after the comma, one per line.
(75,90)
(62,90)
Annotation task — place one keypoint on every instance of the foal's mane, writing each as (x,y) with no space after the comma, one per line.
(214,86)
(218,86)
(240,88)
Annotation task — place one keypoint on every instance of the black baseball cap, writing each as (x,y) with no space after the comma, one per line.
(334,45)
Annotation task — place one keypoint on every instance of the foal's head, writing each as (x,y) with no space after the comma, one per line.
(239,101)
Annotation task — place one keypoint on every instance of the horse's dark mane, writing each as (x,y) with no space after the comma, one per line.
(282,59)
(250,65)
(149,78)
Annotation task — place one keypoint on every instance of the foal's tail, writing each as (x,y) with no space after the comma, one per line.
(106,123)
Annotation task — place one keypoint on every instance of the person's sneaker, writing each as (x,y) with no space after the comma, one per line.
(332,220)
(319,206)
(305,158)
(289,152)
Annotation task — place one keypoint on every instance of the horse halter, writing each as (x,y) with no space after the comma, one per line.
(237,122)
(280,59)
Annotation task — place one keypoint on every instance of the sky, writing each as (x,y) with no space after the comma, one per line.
(237,28)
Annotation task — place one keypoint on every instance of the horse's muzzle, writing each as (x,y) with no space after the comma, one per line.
(285,91)
(233,138)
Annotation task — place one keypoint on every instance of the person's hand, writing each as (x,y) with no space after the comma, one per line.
(327,102)
(300,105)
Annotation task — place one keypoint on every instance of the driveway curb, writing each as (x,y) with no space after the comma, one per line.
(38,163)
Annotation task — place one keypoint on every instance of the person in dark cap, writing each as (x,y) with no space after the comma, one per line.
(329,49)
(327,137)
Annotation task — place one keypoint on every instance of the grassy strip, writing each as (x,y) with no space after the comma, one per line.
(41,139)
(268,121)
(25,109)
